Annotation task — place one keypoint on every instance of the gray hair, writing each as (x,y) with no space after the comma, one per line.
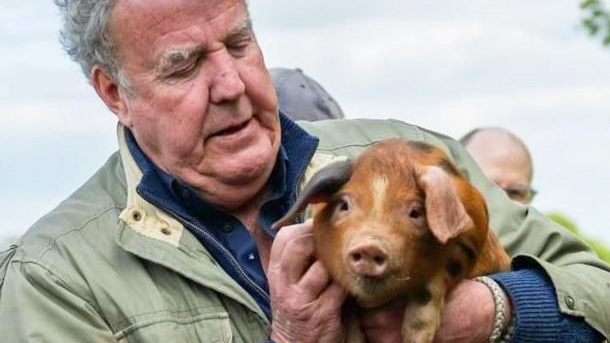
(87,38)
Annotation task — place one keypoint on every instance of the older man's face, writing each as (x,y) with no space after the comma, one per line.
(203,106)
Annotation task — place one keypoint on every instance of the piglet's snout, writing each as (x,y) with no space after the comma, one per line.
(367,257)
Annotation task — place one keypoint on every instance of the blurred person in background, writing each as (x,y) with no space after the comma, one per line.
(504,159)
(302,98)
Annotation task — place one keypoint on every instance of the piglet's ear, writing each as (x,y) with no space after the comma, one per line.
(323,184)
(445,213)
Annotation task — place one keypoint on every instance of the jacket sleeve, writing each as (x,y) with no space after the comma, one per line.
(580,279)
(537,315)
(38,306)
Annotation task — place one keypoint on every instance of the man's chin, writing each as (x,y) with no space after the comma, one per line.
(234,177)
(246,166)
(237,188)
(244,176)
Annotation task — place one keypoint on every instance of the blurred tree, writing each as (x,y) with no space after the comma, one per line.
(602,250)
(597,19)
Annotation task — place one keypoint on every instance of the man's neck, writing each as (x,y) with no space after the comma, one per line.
(249,215)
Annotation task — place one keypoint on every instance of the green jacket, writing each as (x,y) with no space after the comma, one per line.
(106,265)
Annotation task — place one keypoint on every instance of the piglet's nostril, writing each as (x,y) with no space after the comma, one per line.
(379,260)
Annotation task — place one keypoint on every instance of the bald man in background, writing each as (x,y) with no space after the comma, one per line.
(504,159)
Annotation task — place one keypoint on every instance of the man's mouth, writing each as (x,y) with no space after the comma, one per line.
(232,129)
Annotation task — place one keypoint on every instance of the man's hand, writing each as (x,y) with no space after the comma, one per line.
(306,305)
(468,317)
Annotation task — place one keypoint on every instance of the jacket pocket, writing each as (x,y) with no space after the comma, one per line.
(183,327)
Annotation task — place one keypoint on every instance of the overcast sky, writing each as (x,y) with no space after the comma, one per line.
(448,65)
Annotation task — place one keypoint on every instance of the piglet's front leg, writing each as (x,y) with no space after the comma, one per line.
(423,313)
(354,332)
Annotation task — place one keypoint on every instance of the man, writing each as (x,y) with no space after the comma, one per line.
(302,98)
(170,241)
(504,159)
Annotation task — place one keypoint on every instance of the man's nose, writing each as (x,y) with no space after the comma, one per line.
(226,84)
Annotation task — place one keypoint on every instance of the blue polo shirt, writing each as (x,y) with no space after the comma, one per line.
(223,235)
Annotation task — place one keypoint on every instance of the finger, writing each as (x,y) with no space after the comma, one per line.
(315,280)
(332,298)
(297,257)
(285,235)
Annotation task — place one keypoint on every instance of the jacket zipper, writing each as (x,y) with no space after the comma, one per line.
(297,191)
(217,244)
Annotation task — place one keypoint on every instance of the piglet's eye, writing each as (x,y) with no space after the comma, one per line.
(416,211)
(415,214)
(342,205)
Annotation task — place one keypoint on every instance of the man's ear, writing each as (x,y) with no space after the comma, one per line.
(111,94)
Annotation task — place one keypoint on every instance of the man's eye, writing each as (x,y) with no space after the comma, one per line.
(239,47)
(183,72)
(517,193)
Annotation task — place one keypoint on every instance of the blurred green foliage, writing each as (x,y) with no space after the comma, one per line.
(602,250)
(597,19)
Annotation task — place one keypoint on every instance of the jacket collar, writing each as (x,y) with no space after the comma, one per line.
(140,215)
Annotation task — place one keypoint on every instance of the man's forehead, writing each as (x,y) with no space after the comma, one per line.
(147,17)
(184,25)
(241,28)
